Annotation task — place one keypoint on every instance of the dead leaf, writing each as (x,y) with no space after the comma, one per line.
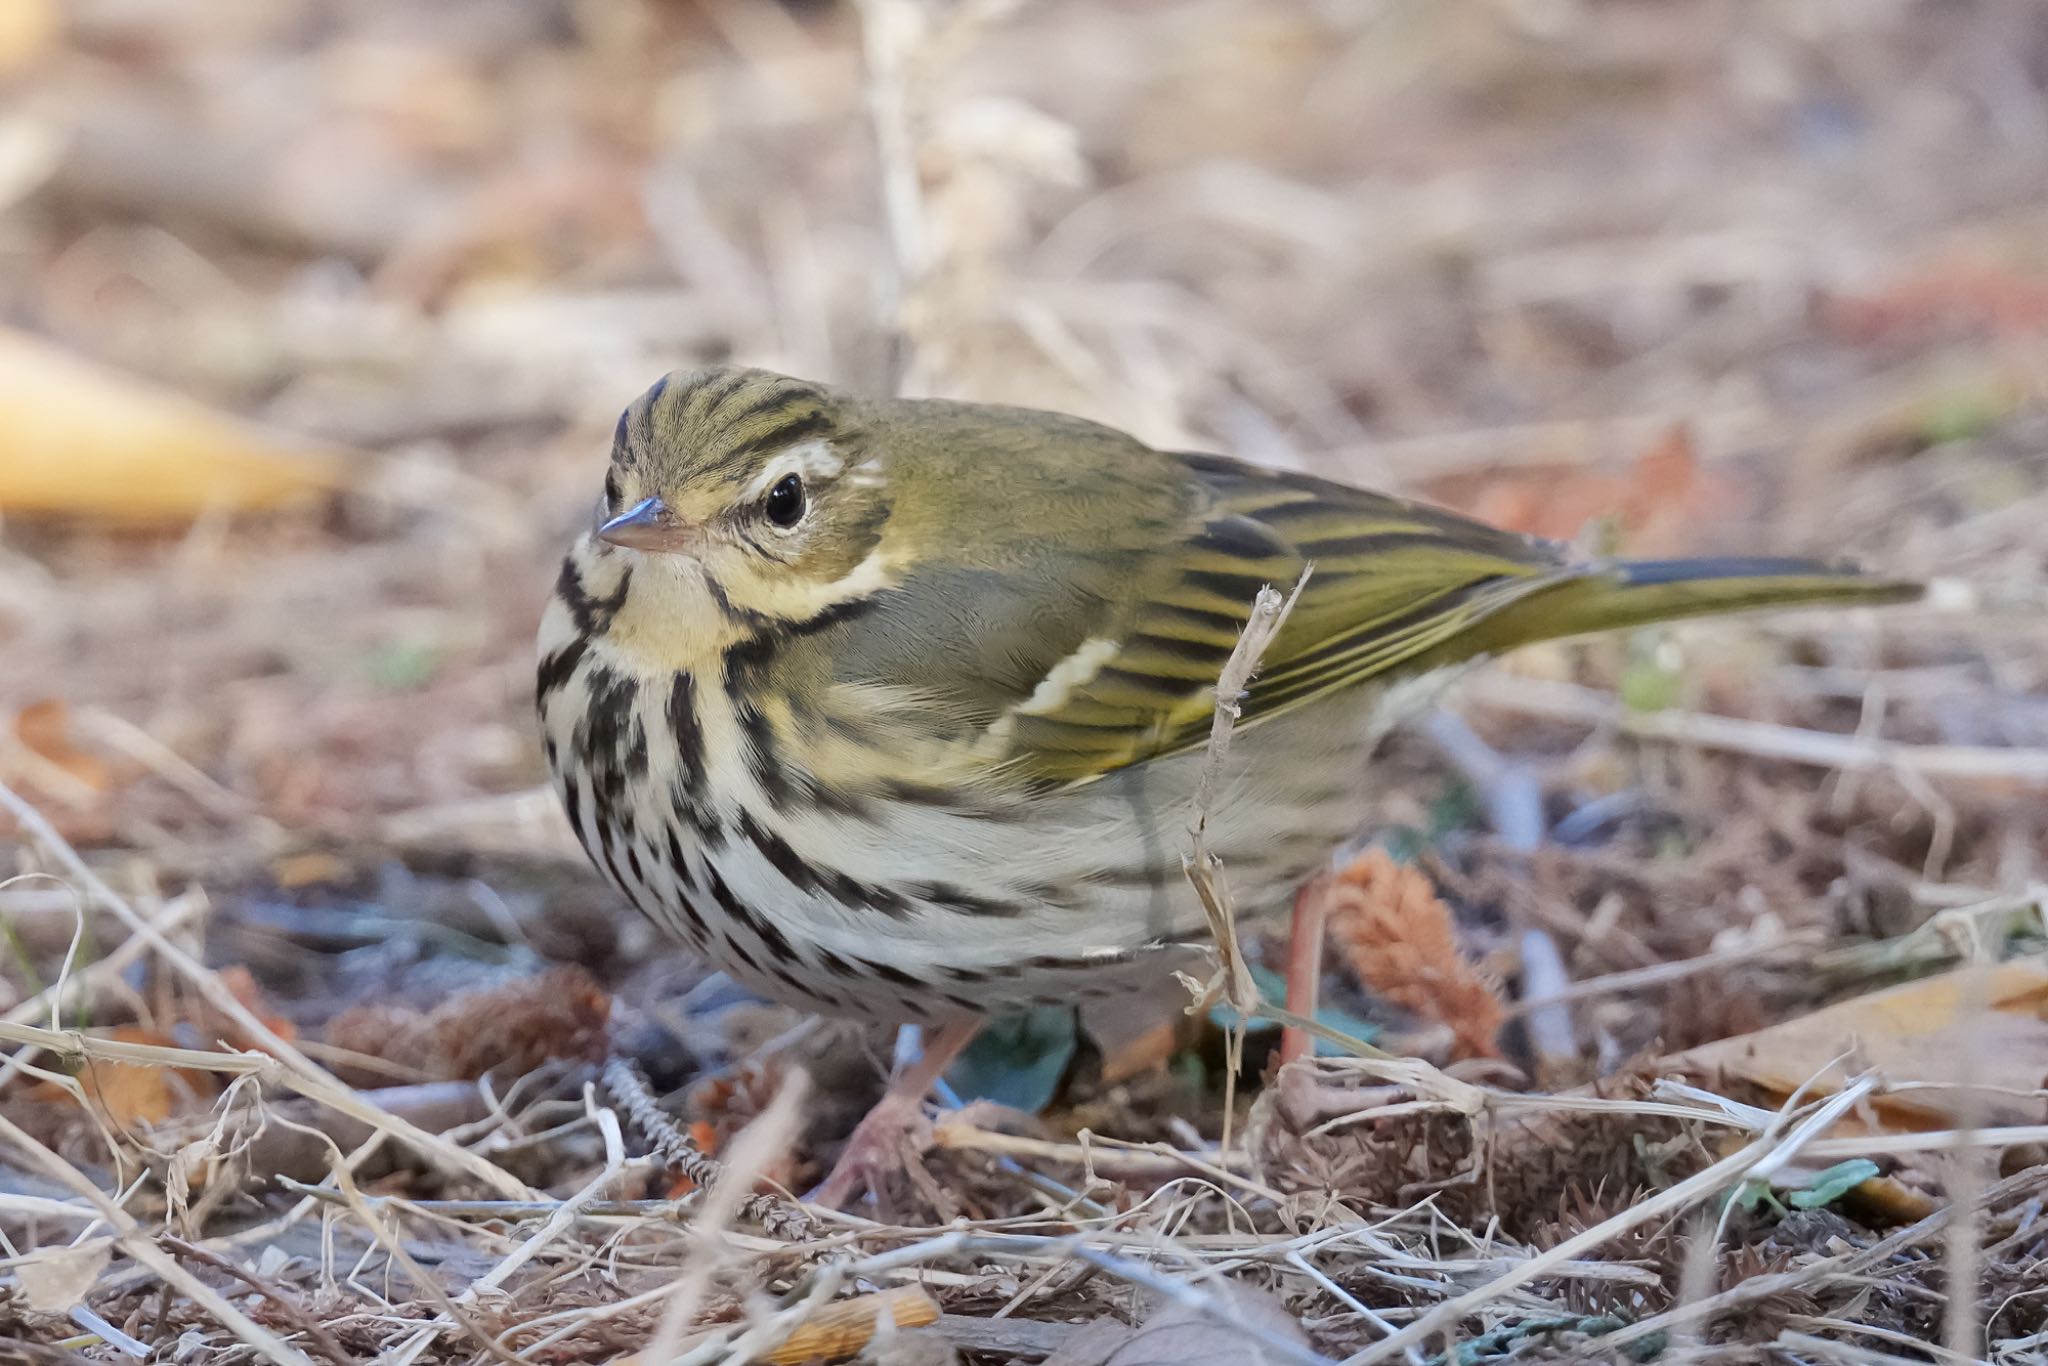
(1931,1032)
(1398,938)
(44,728)
(309,869)
(92,442)
(1137,1031)
(1186,1336)
(841,1330)
(1959,294)
(55,1280)
(1656,504)
(242,984)
(137,1093)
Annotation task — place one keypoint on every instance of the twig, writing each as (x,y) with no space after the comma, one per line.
(891,31)
(1514,804)
(301,1073)
(129,1236)
(1203,870)
(171,917)
(1763,739)
(627,1086)
(290,1307)
(1759,1157)
(753,1148)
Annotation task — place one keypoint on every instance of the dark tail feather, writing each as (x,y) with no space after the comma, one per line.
(1639,592)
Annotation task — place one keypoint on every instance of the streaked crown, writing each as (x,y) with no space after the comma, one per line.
(761,483)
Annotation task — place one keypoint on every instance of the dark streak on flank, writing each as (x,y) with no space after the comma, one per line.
(1205,653)
(949,896)
(572,803)
(739,951)
(763,760)
(759,926)
(805,877)
(888,973)
(1225,584)
(776,850)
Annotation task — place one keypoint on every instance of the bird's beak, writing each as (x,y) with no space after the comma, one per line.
(647,525)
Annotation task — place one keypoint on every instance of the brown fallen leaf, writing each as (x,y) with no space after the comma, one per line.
(88,441)
(242,983)
(1397,936)
(1988,1028)
(1658,502)
(44,728)
(136,1093)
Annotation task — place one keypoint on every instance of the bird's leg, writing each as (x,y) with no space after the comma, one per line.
(878,1142)
(1304,966)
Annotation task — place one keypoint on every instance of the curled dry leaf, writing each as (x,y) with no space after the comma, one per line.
(1397,936)
(55,1280)
(87,441)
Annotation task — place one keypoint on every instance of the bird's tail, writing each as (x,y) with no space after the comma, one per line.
(1628,593)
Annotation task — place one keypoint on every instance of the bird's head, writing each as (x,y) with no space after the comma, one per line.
(760,485)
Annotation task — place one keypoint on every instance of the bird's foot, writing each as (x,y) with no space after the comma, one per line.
(890,1139)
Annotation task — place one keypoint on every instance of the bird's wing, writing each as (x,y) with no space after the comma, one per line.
(1392,584)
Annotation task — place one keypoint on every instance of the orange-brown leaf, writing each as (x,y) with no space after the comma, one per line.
(45,729)
(135,1093)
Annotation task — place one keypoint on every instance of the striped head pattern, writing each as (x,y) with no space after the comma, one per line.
(749,487)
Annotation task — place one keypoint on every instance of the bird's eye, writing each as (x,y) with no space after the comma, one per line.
(611,490)
(784,504)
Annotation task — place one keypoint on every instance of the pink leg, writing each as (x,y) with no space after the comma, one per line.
(880,1137)
(1304,967)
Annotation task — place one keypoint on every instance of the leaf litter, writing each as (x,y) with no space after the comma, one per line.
(309,1003)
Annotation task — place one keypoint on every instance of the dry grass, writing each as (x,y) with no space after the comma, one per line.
(264,772)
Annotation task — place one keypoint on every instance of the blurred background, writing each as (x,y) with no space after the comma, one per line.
(317,316)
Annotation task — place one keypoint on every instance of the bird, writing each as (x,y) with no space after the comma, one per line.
(895,709)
